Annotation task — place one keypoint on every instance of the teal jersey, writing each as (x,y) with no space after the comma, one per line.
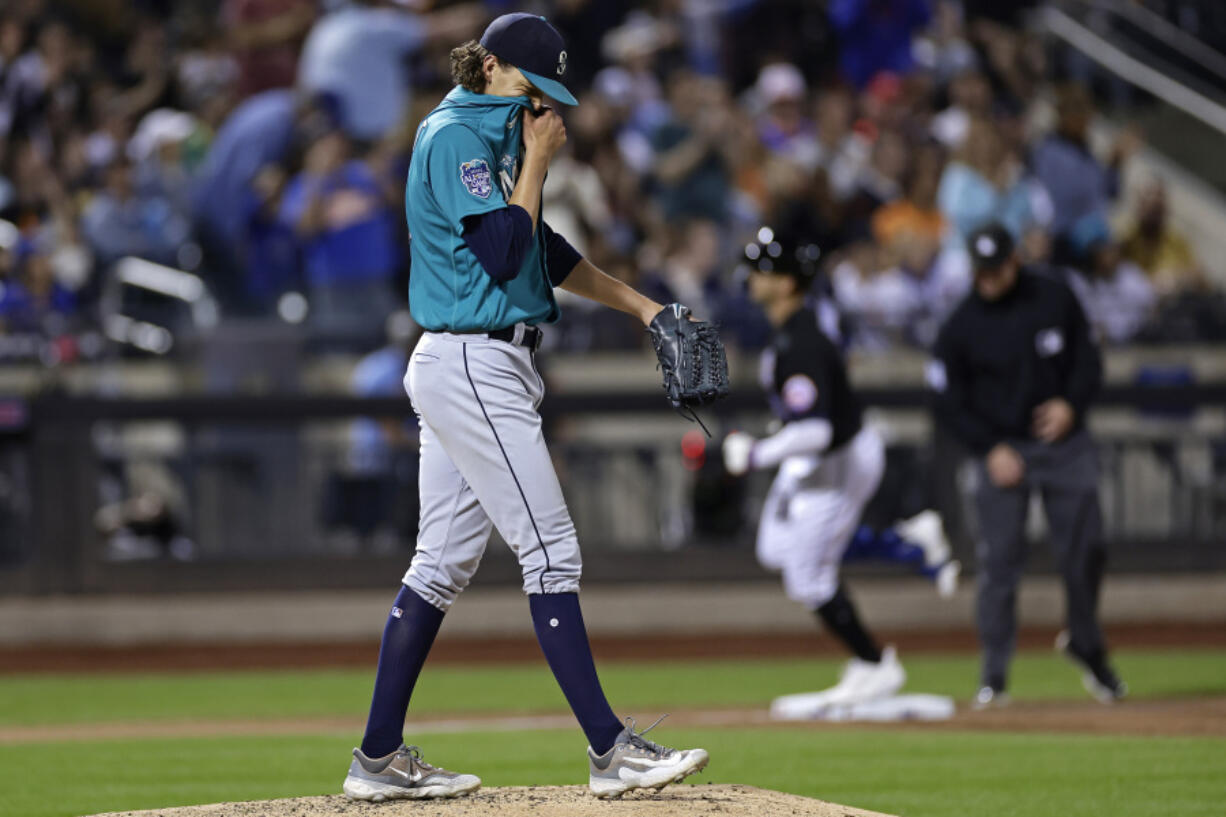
(466,158)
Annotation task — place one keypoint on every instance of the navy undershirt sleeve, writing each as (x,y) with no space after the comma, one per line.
(500,239)
(560,257)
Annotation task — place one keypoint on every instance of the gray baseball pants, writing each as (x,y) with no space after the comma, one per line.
(484,464)
(1066,476)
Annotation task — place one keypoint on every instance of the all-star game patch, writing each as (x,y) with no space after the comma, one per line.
(476,177)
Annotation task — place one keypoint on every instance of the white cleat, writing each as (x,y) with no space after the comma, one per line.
(925,529)
(636,763)
(861,682)
(947,578)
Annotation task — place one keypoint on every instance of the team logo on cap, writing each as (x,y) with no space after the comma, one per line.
(476,177)
(561,63)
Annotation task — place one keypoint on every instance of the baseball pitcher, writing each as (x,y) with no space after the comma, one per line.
(484,270)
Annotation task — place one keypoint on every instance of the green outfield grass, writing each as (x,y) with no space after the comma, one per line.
(646,687)
(916,774)
(904,771)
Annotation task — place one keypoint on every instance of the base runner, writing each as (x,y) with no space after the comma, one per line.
(830,465)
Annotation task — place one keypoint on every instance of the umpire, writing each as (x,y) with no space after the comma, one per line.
(1015,370)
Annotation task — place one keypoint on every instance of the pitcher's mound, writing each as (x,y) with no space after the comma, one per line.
(538,801)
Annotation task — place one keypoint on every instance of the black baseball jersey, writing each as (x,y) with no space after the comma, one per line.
(804,376)
(996,360)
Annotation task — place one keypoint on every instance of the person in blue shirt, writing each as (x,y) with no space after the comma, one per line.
(336,207)
(484,266)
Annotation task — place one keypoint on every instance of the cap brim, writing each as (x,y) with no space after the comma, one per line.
(551,88)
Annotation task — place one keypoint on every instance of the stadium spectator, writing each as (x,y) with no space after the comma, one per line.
(633,49)
(970,98)
(782,126)
(339,211)
(358,54)
(270,249)
(266,36)
(31,300)
(379,481)
(880,299)
(157,150)
(1157,247)
(1078,183)
(574,202)
(915,214)
(206,72)
(121,221)
(875,35)
(694,158)
(1115,293)
(880,182)
(984,183)
(744,135)
(843,151)
(689,271)
(943,49)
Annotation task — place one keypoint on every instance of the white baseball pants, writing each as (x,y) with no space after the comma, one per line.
(810,515)
(484,464)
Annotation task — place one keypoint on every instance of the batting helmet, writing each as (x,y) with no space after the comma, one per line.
(773,253)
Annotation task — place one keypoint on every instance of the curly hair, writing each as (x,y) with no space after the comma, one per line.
(466,65)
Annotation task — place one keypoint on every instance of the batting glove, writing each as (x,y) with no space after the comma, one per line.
(738,452)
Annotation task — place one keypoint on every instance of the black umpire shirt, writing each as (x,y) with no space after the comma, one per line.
(804,376)
(996,360)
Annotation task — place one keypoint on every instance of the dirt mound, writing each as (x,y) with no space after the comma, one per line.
(538,801)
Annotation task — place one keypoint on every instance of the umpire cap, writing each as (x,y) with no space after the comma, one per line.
(773,253)
(532,45)
(990,246)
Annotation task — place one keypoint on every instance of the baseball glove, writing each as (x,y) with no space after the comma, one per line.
(692,359)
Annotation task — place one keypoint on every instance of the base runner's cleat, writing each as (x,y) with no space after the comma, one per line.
(636,763)
(403,775)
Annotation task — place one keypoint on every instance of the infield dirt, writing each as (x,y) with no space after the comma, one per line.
(539,801)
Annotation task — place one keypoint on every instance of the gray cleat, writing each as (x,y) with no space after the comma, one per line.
(636,763)
(989,697)
(403,775)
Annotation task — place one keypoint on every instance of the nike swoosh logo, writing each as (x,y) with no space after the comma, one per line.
(412,778)
(642,765)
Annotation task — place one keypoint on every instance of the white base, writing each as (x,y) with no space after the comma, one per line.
(816,706)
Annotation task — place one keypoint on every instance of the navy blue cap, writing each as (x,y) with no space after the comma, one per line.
(533,46)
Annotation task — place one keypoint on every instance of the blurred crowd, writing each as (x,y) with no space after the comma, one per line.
(262,145)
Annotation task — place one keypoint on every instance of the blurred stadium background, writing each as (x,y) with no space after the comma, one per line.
(203,267)
(207,460)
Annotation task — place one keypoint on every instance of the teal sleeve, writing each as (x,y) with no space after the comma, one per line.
(463,175)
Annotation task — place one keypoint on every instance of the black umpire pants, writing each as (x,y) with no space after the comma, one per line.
(1066,476)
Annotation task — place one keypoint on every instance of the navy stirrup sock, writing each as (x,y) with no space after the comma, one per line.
(563,637)
(410,631)
(839,614)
